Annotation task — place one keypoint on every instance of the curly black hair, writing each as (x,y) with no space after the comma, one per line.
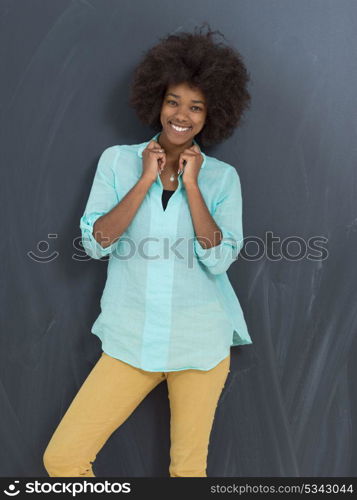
(216,69)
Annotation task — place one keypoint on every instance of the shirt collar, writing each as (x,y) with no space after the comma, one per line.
(143,146)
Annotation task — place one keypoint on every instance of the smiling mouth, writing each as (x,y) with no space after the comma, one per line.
(179,130)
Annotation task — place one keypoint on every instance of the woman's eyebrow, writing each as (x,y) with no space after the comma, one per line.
(178,97)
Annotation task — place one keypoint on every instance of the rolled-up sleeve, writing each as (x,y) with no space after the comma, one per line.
(102,198)
(228,217)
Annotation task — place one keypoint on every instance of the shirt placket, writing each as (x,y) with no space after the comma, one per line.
(160,276)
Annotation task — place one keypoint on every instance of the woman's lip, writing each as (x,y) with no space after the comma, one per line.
(189,128)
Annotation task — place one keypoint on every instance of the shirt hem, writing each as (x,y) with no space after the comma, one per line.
(243,342)
(122,358)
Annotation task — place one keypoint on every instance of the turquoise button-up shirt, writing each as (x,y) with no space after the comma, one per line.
(167,304)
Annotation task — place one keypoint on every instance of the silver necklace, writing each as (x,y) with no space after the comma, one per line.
(172,178)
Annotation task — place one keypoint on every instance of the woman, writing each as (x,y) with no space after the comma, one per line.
(170,219)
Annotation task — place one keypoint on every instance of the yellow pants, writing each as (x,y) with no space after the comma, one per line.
(111,392)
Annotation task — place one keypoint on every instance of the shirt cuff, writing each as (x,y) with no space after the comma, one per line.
(90,244)
(220,257)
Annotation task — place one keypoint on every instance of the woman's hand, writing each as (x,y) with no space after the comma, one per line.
(190,162)
(154,160)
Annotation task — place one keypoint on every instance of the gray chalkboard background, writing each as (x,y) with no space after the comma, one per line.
(289,407)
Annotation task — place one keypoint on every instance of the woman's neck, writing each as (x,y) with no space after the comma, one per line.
(172,152)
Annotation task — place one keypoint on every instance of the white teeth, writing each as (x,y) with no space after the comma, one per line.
(179,129)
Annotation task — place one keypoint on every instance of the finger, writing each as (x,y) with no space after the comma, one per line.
(195,148)
(182,164)
(154,146)
(157,151)
(162,163)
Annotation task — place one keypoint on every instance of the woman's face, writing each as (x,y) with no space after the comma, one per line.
(185,107)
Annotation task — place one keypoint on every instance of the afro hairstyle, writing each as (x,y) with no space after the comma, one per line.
(215,68)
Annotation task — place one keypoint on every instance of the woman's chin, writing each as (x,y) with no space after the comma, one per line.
(178,137)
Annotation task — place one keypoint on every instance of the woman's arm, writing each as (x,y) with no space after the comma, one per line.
(222,231)
(207,232)
(105,217)
(109,227)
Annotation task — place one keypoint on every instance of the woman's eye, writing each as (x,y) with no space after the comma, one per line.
(197,107)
